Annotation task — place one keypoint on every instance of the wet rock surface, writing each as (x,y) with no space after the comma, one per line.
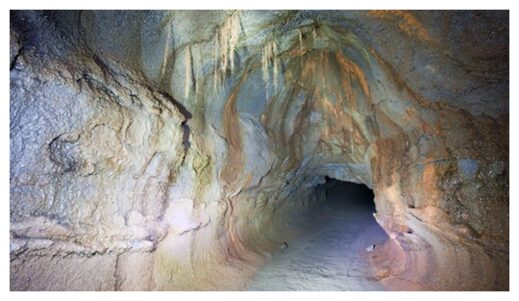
(166,155)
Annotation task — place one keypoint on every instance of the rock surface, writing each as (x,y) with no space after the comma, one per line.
(151,152)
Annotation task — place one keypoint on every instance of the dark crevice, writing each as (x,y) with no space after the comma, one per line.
(181,108)
(15,58)
(186,130)
(191,63)
(185,135)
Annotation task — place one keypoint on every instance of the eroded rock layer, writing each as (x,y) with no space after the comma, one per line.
(153,151)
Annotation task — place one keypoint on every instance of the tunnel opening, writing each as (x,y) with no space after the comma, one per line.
(351,207)
(343,193)
(332,250)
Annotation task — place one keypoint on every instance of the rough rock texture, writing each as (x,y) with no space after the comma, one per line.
(152,151)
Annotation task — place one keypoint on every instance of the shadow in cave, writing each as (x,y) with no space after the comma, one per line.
(347,194)
(330,254)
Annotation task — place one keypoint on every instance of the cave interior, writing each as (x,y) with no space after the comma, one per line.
(259,150)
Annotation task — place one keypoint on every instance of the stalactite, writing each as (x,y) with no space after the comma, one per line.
(166,52)
(268,58)
(275,62)
(301,46)
(300,39)
(216,54)
(188,72)
(226,42)
(265,66)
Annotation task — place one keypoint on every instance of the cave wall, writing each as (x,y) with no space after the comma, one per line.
(151,152)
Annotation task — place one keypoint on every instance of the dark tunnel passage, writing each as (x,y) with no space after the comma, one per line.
(331,252)
(347,194)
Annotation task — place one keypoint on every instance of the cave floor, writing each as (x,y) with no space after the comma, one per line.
(331,254)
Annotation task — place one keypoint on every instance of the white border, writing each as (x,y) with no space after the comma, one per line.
(262,4)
